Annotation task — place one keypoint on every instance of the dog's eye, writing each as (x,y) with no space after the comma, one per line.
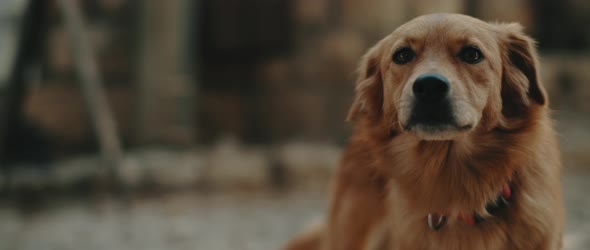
(403,55)
(471,55)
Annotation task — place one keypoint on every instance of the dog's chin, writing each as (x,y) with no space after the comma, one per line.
(438,132)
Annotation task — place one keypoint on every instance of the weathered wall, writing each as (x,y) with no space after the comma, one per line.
(292,78)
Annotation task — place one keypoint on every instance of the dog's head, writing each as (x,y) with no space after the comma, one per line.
(442,76)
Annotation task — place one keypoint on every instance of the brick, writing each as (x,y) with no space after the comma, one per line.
(311,12)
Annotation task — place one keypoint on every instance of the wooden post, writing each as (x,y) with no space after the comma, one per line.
(92,89)
(165,87)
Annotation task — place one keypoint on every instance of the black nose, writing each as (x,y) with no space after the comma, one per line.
(431,87)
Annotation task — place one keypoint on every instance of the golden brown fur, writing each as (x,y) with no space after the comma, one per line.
(391,176)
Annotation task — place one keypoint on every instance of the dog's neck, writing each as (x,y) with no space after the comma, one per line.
(454,178)
(494,208)
(457,175)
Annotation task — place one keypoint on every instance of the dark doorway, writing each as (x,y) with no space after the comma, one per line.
(234,37)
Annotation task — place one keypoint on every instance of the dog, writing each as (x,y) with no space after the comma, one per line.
(452,146)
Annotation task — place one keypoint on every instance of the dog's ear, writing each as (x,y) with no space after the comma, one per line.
(521,86)
(368,100)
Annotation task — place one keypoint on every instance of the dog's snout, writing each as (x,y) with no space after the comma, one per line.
(431,105)
(431,87)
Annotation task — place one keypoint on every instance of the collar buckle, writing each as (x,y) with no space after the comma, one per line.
(436,221)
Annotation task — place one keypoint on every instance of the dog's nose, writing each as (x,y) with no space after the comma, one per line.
(431,87)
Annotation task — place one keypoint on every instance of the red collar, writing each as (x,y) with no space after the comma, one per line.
(437,221)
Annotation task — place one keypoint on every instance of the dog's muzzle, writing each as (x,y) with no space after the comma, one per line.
(431,105)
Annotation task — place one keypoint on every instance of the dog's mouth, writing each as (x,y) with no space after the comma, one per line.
(434,122)
(439,132)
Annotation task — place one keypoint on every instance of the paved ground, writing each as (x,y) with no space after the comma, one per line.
(180,221)
(576,189)
(262,220)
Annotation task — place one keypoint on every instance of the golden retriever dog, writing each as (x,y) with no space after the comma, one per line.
(452,148)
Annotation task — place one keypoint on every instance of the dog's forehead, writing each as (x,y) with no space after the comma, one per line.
(443,27)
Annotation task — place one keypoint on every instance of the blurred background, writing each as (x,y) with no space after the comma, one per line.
(216,124)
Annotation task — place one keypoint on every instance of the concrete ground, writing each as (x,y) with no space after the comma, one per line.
(259,220)
(249,220)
